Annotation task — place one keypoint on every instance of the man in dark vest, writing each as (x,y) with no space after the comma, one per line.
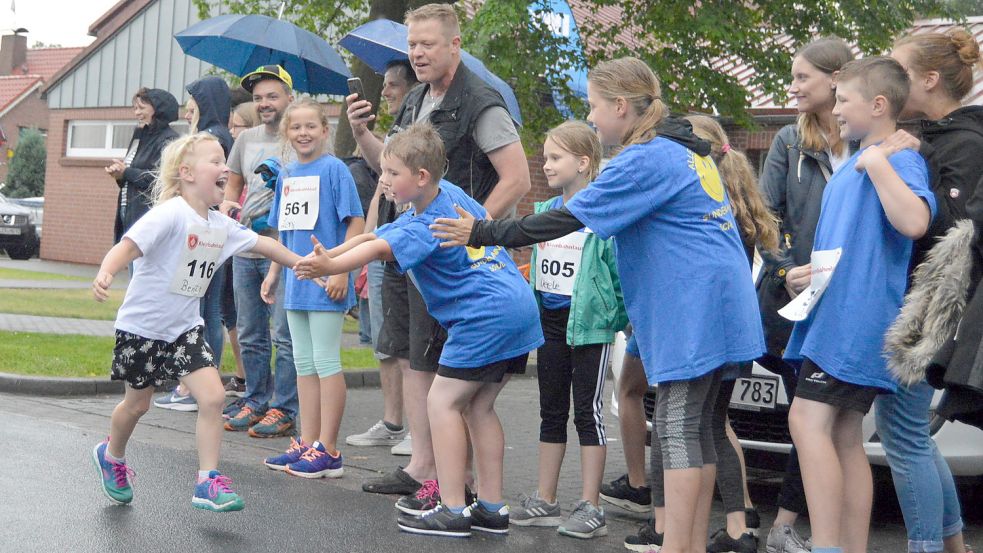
(485,158)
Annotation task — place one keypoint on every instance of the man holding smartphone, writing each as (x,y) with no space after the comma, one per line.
(485,158)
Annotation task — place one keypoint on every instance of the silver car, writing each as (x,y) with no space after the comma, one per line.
(759,415)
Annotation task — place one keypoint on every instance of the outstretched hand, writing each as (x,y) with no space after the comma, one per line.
(100,286)
(454,232)
(318,264)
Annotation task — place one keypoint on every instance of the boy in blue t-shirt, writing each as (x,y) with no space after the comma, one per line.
(873,208)
(490,314)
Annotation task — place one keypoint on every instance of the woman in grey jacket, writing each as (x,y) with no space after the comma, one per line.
(800,161)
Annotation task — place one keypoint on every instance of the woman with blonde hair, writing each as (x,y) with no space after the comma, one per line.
(684,275)
(941,69)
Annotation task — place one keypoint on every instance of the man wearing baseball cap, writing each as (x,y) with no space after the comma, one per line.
(270,405)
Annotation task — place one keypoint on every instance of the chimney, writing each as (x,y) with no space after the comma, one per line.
(13,53)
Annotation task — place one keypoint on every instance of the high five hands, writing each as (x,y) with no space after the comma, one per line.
(318,264)
(454,232)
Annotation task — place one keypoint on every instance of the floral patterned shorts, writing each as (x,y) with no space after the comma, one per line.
(143,362)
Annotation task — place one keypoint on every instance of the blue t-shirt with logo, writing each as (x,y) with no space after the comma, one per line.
(844,333)
(684,273)
(477,294)
(338,201)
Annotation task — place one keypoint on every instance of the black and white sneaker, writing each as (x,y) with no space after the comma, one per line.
(494,522)
(620,493)
(427,497)
(439,521)
(752,521)
(646,540)
(721,542)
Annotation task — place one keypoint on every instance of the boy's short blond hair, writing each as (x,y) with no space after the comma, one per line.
(879,76)
(444,13)
(419,146)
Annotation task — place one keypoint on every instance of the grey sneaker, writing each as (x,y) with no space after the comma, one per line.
(586,521)
(404,447)
(535,511)
(784,539)
(379,434)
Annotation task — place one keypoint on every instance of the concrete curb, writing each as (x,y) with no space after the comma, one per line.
(49,386)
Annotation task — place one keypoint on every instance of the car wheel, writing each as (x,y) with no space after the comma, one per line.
(21,253)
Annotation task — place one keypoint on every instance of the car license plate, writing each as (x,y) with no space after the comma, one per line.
(10,230)
(756,393)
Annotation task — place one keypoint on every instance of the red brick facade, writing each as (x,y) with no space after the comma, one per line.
(80,198)
(29,112)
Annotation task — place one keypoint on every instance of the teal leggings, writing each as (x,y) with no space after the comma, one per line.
(316,337)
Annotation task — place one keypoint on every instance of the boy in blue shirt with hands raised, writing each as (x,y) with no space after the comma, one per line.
(490,314)
(873,208)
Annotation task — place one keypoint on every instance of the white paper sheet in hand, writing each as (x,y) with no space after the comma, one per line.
(823,264)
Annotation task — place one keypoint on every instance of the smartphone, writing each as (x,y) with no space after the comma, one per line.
(355,87)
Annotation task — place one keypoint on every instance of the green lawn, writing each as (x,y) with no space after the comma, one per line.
(78,304)
(72,304)
(88,356)
(19,274)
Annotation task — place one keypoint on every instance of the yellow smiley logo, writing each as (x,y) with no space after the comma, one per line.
(706,170)
(475,254)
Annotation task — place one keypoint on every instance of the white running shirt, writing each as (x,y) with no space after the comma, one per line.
(150,309)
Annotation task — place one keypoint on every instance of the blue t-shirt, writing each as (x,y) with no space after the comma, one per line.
(844,333)
(684,273)
(550,300)
(477,294)
(338,200)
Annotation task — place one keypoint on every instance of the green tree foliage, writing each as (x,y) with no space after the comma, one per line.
(683,41)
(25,178)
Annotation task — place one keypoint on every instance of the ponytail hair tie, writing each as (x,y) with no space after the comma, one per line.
(724,149)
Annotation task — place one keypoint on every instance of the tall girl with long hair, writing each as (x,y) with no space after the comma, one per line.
(682,268)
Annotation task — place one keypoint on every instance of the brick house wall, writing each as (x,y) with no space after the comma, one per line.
(80,198)
(29,112)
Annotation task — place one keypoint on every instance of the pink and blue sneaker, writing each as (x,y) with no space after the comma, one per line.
(215,494)
(294,453)
(317,463)
(115,476)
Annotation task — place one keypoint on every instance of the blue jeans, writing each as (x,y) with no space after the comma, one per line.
(926,491)
(211,311)
(278,390)
(376,311)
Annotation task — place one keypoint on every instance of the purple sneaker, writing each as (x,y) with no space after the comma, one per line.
(115,476)
(294,453)
(215,494)
(316,463)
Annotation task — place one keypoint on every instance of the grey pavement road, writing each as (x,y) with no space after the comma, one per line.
(51,500)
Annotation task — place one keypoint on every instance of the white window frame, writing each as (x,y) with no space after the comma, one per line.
(107,151)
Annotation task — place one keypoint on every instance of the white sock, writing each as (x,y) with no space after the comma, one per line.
(203,475)
(112,459)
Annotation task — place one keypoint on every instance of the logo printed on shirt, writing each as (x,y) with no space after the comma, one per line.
(710,181)
(192,241)
(286,189)
(475,253)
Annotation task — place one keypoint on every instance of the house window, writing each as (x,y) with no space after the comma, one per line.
(100,139)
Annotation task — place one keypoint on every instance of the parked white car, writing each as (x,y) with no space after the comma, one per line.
(759,415)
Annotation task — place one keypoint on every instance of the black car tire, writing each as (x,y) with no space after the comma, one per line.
(21,253)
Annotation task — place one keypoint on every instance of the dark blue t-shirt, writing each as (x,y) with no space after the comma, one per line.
(338,200)
(477,294)
(683,269)
(844,333)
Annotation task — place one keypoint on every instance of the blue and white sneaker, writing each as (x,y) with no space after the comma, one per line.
(215,494)
(317,463)
(294,453)
(115,476)
(176,402)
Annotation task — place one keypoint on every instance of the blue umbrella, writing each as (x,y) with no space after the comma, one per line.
(381,41)
(241,43)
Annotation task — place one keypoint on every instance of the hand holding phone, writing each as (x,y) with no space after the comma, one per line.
(355,87)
